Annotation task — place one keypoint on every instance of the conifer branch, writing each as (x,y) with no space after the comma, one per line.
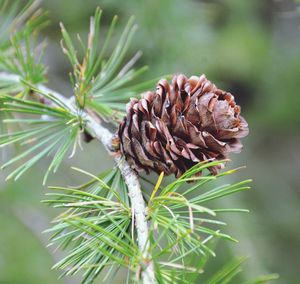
(198,125)
(96,129)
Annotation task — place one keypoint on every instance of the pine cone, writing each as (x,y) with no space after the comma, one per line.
(180,124)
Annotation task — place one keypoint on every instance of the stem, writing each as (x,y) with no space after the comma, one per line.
(94,127)
(135,194)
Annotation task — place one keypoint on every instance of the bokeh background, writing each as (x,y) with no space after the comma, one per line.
(249,47)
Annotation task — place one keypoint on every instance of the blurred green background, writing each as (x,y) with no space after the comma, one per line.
(249,47)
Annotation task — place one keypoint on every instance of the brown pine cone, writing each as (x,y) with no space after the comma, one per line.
(180,124)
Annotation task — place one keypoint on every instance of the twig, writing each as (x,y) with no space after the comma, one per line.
(94,127)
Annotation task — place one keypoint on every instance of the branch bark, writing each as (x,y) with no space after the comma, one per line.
(94,127)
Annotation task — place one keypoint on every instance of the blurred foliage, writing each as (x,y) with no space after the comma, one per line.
(250,48)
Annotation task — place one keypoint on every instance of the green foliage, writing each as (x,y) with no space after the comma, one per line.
(228,272)
(185,224)
(97,227)
(104,85)
(19,54)
(17,18)
(47,130)
(264,279)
